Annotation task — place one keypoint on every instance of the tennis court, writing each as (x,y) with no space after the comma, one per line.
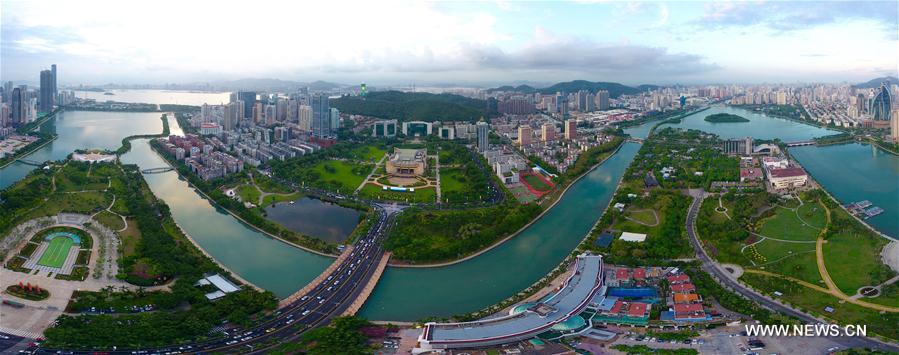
(57,251)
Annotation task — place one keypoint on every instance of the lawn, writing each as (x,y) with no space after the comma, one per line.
(270,199)
(813,301)
(86,202)
(420,195)
(248,193)
(343,175)
(790,259)
(130,238)
(645,216)
(455,186)
(110,220)
(56,252)
(368,153)
(812,214)
(785,224)
(853,261)
(537,183)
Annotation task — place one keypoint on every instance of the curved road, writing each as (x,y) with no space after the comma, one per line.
(723,278)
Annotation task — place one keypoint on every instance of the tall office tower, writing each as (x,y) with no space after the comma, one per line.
(249,99)
(548,132)
(281,108)
(18,106)
(233,97)
(305,118)
(55,87)
(524,135)
(882,103)
(7,88)
(271,114)
(894,125)
(46,91)
(233,111)
(561,103)
(591,103)
(334,120)
(321,116)
(602,100)
(571,129)
(483,136)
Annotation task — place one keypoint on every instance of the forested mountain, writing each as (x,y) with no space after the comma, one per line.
(409,106)
(615,89)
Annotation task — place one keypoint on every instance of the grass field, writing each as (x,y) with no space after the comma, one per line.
(786,224)
(853,261)
(56,253)
(420,195)
(368,153)
(248,193)
(110,220)
(537,183)
(646,216)
(341,173)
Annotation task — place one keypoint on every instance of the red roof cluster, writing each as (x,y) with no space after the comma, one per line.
(679,278)
(683,288)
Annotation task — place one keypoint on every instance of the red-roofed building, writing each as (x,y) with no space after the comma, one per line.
(683,288)
(617,307)
(638,310)
(787,177)
(689,312)
(639,273)
(750,174)
(622,274)
(679,278)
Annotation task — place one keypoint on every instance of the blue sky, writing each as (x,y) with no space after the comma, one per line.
(466,43)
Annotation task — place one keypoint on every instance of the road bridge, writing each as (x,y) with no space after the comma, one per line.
(157,170)
(801,143)
(30,162)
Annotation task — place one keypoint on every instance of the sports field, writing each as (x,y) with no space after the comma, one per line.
(56,253)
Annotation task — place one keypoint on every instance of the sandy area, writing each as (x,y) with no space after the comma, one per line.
(890,255)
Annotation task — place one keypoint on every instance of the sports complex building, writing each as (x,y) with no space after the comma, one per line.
(569,301)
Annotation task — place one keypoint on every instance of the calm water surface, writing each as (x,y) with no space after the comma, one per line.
(316,218)
(158,97)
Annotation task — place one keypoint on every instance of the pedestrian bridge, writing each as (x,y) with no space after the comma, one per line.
(157,170)
(802,143)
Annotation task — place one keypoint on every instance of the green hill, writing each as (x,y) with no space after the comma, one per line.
(408,106)
(614,89)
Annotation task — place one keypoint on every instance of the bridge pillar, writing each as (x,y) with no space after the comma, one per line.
(369,287)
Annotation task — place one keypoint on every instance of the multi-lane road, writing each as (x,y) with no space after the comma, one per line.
(721,276)
(327,299)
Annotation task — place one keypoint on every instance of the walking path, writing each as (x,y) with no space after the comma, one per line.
(637,221)
(437,166)
(373,170)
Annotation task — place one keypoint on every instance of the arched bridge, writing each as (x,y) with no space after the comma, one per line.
(31,162)
(157,170)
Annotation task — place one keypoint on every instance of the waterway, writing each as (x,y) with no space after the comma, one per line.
(316,218)
(81,130)
(408,294)
(759,126)
(194,98)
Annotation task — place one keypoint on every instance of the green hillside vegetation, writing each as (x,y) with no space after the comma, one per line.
(406,106)
(615,89)
(725,117)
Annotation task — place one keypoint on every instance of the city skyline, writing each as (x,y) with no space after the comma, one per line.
(479,44)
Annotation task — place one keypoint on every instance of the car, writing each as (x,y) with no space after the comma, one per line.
(304,298)
(306,312)
(289,321)
(231,342)
(3,336)
(269,330)
(322,301)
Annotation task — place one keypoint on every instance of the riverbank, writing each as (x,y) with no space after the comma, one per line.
(235,215)
(126,142)
(523,228)
(20,155)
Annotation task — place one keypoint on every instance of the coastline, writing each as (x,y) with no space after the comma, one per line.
(526,226)
(219,207)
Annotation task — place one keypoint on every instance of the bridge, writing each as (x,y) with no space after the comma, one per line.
(801,143)
(30,162)
(157,170)
(634,140)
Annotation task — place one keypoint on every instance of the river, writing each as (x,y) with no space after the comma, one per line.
(410,294)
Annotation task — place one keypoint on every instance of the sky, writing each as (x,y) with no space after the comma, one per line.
(479,43)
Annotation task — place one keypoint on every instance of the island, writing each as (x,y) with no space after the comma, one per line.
(725,117)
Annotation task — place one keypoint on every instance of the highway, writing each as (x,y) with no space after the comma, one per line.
(326,300)
(721,276)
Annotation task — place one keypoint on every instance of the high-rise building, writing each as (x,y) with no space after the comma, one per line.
(249,100)
(738,146)
(483,136)
(334,120)
(321,116)
(384,128)
(861,103)
(304,120)
(233,113)
(548,132)
(524,135)
(55,87)
(46,93)
(602,100)
(894,125)
(18,106)
(571,129)
(881,104)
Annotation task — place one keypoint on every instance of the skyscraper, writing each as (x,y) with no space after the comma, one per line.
(321,116)
(483,136)
(18,106)
(54,96)
(46,98)
(233,112)
(524,135)
(304,119)
(334,120)
(881,104)
(249,99)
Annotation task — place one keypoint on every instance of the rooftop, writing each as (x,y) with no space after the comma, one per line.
(786,172)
